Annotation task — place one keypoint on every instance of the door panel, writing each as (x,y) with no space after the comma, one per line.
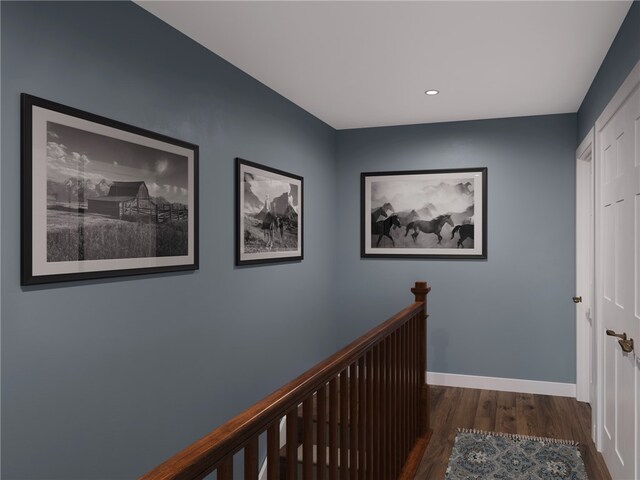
(621,237)
(637,262)
(609,159)
(625,425)
(608,254)
(609,390)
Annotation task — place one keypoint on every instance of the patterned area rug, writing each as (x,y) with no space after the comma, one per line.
(480,455)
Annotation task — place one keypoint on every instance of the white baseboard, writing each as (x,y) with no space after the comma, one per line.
(502,384)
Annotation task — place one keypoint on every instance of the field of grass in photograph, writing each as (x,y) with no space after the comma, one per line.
(75,235)
(423,240)
(255,240)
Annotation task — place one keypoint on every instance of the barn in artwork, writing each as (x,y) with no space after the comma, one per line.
(125,199)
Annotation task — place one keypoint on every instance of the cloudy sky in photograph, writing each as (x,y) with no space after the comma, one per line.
(72,152)
(404,194)
(262,186)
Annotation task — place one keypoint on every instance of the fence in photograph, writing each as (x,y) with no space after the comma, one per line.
(159,213)
(126,209)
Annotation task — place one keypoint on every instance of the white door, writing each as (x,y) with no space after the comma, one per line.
(585,378)
(618,278)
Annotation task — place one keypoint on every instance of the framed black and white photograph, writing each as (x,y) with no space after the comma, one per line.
(424,213)
(101,198)
(269,214)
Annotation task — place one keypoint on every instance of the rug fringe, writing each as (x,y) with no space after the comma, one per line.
(520,437)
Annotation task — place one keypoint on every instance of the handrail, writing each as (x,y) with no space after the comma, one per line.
(208,453)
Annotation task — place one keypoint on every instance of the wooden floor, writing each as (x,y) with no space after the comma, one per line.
(524,414)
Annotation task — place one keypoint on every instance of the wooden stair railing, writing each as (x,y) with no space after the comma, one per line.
(364,415)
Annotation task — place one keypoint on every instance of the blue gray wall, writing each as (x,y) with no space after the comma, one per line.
(622,56)
(510,315)
(105,379)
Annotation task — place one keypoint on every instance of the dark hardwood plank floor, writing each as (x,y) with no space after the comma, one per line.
(524,414)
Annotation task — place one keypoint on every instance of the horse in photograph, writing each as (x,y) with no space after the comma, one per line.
(269,227)
(383,228)
(429,226)
(465,231)
(271,224)
(280,227)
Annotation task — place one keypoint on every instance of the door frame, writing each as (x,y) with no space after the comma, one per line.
(585,233)
(626,89)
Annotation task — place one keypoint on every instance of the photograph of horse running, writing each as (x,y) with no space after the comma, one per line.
(429,226)
(424,213)
(383,229)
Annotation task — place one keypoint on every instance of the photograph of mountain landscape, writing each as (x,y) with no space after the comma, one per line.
(426,213)
(109,198)
(269,214)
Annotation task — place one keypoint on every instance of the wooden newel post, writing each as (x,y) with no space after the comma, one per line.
(420,290)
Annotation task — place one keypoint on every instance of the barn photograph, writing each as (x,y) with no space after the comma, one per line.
(112,199)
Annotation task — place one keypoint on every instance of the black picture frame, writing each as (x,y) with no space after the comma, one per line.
(57,222)
(252,209)
(402,183)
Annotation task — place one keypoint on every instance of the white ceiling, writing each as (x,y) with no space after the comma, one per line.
(364,64)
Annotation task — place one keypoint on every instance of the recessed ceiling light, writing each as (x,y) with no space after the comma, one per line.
(431,92)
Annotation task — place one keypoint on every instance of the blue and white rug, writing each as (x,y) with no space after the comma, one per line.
(481,455)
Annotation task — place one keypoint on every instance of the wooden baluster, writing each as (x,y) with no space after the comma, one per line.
(395,406)
(417,367)
(353,421)
(393,403)
(273,451)
(402,431)
(421,375)
(225,470)
(400,404)
(414,380)
(384,446)
(377,415)
(292,444)
(370,418)
(412,418)
(403,392)
(405,389)
(389,416)
(409,383)
(408,388)
(307,439)
(333,429)
(362,417)
(251,459)
(321,433)
(344,425)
